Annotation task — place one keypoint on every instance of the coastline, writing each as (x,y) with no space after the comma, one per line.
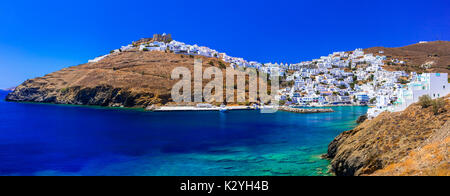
(193,108)
(302,110)
(240,146)
(293,109)
(395,143)
(331,105)
(78,106)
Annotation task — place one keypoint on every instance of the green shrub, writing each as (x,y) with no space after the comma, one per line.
(222,65)
(64,90)
(352,85)
(438,105)
(145,49)
(425,101)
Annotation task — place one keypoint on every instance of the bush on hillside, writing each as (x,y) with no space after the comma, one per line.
(222,65)
(425,101)
(438,105)
(64,90)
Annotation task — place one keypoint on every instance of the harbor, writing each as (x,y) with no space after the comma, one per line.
(303,110)
(208,107)
(199,107)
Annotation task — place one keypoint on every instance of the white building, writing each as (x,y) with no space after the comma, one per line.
(434,85)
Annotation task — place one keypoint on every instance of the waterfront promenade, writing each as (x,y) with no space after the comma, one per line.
(194,108)
(229,108)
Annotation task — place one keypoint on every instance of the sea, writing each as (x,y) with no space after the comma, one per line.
(68,140)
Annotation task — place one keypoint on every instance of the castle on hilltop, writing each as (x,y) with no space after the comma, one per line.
(166,38)
(162,38)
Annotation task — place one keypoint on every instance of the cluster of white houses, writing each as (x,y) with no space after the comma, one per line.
(340,78)
(434,85)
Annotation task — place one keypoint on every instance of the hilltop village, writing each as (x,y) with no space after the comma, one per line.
(341,78)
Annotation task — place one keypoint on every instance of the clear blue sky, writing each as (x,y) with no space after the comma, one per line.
(39,37)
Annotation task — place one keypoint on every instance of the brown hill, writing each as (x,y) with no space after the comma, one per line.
(130,79)
(412,142)
(421,57)
(431,159)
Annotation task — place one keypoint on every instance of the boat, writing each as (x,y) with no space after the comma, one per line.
(268,109)
(223,108)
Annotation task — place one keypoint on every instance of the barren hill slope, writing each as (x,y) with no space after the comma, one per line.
(421,57)
(131,79)
(411,142)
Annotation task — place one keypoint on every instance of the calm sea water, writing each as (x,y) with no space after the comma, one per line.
(41,139)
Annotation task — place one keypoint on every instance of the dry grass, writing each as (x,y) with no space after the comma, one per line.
(144,75)
(432,159)
(389,138)
(416,55)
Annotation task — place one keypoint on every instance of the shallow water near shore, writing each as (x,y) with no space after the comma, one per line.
(44,139)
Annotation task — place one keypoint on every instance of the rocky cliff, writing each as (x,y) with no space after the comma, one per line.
(130,79)
(412,142)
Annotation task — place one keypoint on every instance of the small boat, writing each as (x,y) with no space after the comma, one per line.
(223,108)
(268,109)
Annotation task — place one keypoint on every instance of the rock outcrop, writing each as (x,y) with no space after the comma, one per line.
(103,95)
(391,140)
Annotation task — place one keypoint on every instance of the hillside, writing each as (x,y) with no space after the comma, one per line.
(431,159)
(131,79)
(422,57)
(412,142)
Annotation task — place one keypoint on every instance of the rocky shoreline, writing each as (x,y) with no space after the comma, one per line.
(395,144)
(104,95)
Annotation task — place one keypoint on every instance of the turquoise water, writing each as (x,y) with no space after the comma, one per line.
(41,139)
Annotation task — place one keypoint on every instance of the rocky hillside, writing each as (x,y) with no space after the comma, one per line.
(422,57)
(412,142)
(131,79)
(431,159)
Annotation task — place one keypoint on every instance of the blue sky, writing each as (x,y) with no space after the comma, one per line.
(39,37)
